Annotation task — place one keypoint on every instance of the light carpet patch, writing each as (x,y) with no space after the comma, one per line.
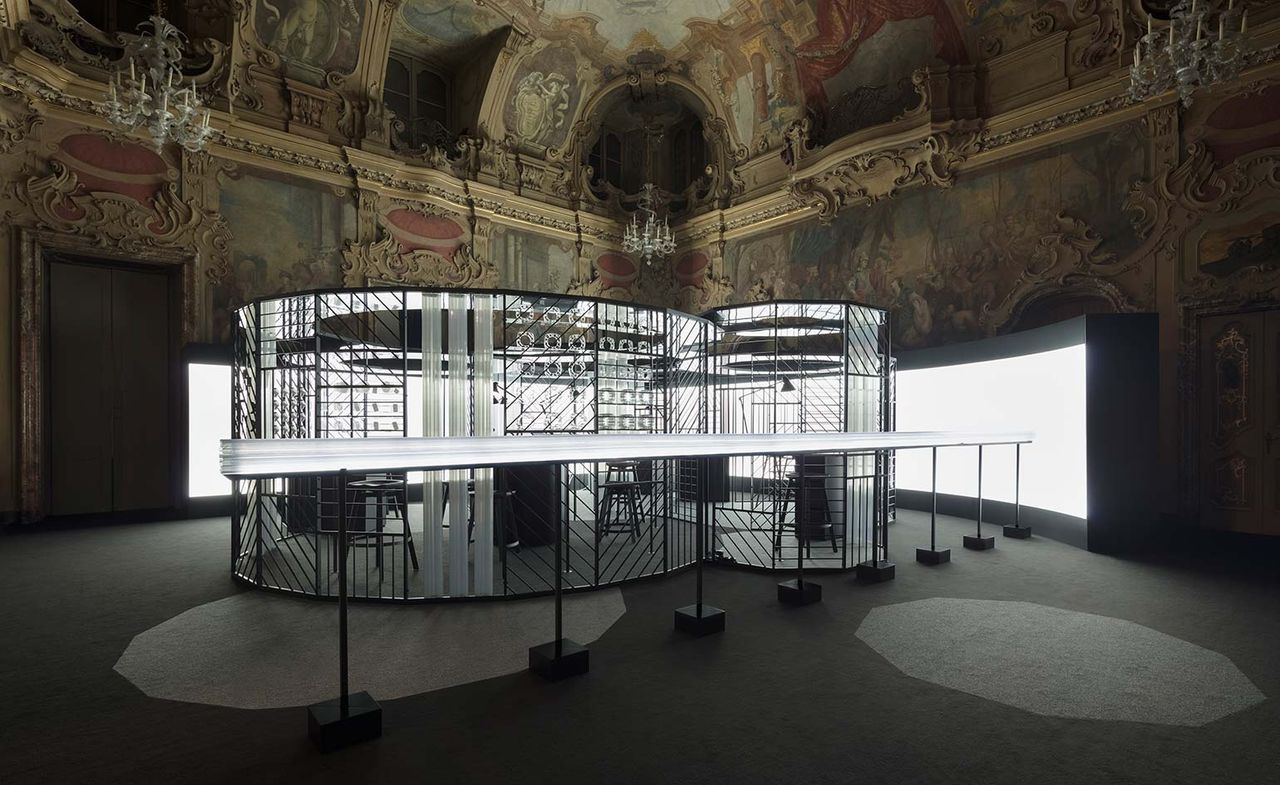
(1058,662)
(258,651)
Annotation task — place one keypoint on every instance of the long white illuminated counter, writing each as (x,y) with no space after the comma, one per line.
(247,458)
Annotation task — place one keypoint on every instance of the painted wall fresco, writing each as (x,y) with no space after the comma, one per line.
(287,236)
(103,165)
(313,36)
(945,260)
(531,261)
(544,96)
(1237,126)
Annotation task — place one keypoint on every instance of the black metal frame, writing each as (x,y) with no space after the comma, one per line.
(807,366)
(305,363)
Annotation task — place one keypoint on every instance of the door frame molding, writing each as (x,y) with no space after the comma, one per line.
(1190,392)
(34,250)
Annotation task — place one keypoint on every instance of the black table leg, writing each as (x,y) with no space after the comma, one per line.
(349,719)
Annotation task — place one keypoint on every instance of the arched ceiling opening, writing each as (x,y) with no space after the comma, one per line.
(847,64)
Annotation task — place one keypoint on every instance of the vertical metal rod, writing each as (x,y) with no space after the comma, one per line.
(884,504)
(979,490)
(257,507)
(702,522)
(933,515)
(559,587)
(802,502)
(404,431)
(1017,485)
(344,705)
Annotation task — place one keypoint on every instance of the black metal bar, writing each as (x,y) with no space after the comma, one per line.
(979,490)
(344,705)
(883,503)
(560,587)
(802,507)
(933,514)
(701,523)
(257,375)
(1017,485)
(404,430)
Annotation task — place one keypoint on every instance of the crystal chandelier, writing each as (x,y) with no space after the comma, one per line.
(1204,45)
(151,93)
(652,239)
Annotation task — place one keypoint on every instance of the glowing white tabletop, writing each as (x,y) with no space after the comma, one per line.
(246,458)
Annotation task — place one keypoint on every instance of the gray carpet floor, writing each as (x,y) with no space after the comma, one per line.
(784,695)
(1058,662)
(260,651)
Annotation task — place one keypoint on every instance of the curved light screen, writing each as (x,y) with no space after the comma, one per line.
(1043,392)
(209,421)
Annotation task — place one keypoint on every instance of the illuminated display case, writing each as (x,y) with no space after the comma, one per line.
(394,362)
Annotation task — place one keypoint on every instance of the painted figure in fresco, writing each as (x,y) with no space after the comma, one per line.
(844,24)
(296,34)
(541,101)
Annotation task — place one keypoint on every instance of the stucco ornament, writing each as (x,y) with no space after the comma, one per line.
(541,103)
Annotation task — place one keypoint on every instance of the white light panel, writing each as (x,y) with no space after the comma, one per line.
(282,457)
(208,422)
(1042,392)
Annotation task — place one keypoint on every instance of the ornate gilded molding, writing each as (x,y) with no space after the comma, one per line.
(17,119)
(55,201)
(990,141)
(867,178)
(1066,260)
(384,261)
(1163,209)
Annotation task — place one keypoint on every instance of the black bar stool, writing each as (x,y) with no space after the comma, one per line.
(385,493)
(502,500)
(620,506)
(816,501)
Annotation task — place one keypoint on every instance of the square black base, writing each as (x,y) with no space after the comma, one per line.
(688,620)
(933,558)
(875,571)
(793,592)
(1018,532)
(329,730)
(574,660)
(974,543)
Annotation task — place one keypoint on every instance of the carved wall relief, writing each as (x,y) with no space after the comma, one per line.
(1231,373)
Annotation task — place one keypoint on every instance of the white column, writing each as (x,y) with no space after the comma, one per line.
(482,392)
(432,425)
(458,423)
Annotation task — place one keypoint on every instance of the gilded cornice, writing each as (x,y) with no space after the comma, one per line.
(916,149)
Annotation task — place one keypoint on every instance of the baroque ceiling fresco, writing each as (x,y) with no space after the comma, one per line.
(846,63)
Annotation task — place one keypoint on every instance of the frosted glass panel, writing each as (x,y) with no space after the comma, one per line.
(1043,392)
(209,422)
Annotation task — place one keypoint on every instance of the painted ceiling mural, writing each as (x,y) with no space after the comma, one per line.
(445,28)
(848,63)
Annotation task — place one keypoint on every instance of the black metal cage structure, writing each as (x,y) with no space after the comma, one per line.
(395,362)
(801,367)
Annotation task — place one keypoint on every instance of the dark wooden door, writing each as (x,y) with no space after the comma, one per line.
(1240,422)
(109,389)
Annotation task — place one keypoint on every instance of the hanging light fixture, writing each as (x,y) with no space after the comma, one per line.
(150,92)
(1204,45)
(653,238)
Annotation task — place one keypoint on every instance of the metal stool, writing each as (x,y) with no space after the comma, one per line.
(385,494)
(816,496)
(502,500)
(622,492)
